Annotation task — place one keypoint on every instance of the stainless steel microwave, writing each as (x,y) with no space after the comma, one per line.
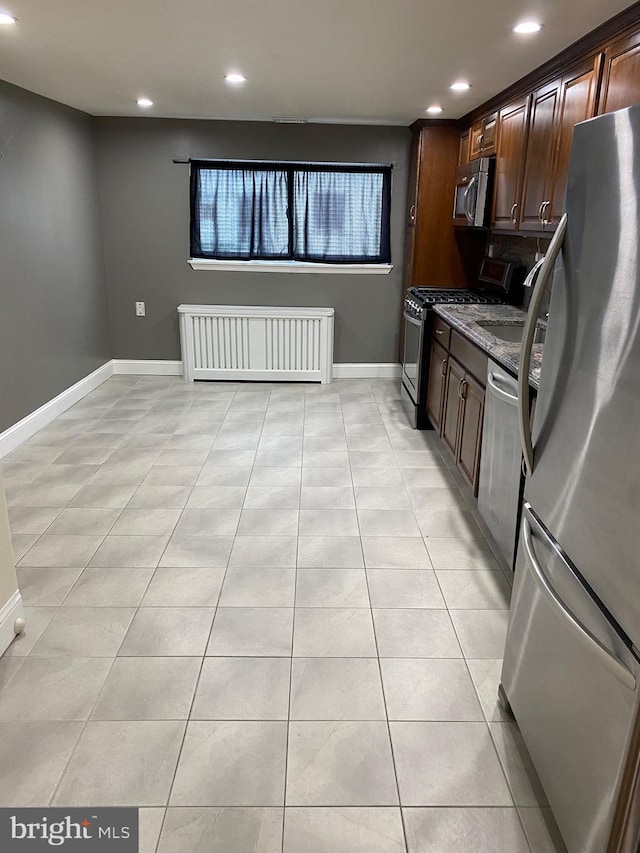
(474,188)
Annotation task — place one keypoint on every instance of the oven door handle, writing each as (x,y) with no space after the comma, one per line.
(412,319)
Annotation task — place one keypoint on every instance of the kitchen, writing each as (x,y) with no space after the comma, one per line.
(392,547)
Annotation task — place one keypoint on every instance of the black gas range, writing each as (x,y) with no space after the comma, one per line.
(503,284)
(420,299)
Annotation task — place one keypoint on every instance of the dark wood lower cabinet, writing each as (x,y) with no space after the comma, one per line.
(452,401)
(437,381)
(455,402)
(472,411)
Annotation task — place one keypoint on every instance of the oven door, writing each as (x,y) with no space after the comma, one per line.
(412,357)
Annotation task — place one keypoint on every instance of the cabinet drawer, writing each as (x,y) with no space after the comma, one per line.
(472,358)
(441,332)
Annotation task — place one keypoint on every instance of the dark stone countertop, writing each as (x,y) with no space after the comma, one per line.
(466,319)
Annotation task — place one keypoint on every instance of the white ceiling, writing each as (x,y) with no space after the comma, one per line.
(362,61)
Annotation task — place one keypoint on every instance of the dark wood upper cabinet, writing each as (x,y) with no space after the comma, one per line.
(579,92)
(538,172)
(511,147)
(433,258)
(555,110)
(463,156)
(489,133)
(483,137)
(621,74)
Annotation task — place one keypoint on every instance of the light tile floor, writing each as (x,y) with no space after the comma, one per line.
(267,615)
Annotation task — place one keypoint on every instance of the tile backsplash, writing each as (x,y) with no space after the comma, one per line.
(522,250)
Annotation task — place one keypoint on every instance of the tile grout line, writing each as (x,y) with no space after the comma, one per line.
(293,634)
(384,697)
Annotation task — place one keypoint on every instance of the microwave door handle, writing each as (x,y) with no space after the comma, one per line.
(467,212)
(580,631)
(546,266)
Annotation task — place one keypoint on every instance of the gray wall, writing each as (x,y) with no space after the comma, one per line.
(53,318)
(144,201)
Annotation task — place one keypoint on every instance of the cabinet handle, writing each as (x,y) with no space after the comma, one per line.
(513,212)
(461,386)
(540,209)
(545,205)
(443,367)
(439,331)
(480,142)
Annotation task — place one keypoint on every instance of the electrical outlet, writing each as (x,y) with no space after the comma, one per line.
(141,311)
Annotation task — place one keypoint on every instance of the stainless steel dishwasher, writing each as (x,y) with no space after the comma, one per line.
(500,464)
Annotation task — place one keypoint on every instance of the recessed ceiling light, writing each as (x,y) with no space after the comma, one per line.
(434,109)
(527,27)
(6,19)
(460,86)
(144,102)
(235,78)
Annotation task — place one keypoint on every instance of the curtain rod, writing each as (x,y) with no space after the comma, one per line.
(187,161)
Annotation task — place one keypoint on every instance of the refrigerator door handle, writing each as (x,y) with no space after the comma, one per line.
(546,269)
(578,629)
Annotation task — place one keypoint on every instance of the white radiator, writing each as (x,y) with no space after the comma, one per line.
(256,343)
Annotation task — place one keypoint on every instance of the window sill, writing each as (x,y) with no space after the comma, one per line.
(290,267)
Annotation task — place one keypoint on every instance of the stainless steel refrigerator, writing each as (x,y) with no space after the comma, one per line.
(571,670)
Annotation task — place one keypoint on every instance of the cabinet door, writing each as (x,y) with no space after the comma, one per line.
(621,76)
(578,103)
(475,143)
(483,137)
(452,403)
(463,156)
(512,140)
(470,436)
(435,260)
(536,189)
(489,131)
(437,378)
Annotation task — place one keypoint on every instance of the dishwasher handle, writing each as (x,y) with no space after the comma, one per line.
(512,399)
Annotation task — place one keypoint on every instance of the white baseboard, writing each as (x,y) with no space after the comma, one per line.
(147,367)
(24,429)
(12,610)
(364,370)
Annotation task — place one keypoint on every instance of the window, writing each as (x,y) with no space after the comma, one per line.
(311,212)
